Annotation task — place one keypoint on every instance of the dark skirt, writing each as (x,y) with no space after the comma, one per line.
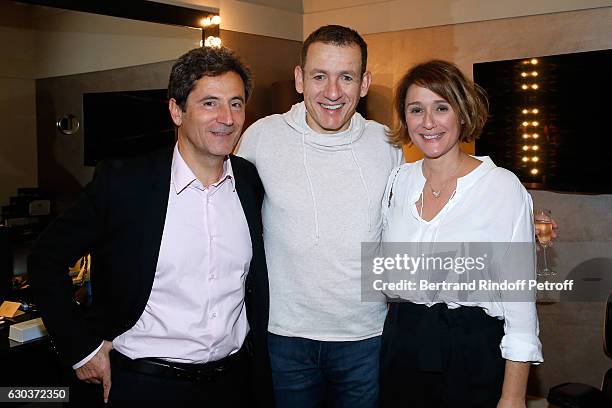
(438,357)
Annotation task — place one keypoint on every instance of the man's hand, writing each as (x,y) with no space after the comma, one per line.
(98,369)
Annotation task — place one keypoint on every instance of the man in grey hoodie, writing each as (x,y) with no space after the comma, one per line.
(324,168)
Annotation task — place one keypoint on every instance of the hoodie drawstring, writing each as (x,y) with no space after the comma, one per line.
(365,186)
(312,194)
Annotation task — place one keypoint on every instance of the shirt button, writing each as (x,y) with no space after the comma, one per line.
(213,315)
(212,277)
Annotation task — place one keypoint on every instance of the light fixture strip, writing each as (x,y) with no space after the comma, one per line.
(530,121)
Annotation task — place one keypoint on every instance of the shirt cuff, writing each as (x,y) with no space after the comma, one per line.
(523,348)
(86,359)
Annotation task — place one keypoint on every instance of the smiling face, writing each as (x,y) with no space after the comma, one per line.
(432,123)
(211,123)
(332,84)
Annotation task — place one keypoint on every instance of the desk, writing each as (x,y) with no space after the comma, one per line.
(32,363)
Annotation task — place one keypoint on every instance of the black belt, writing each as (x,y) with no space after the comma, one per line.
(184,371)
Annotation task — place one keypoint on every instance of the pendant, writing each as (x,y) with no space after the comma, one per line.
(436,194)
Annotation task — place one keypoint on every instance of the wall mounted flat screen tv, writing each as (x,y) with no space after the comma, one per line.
(126,123)
(549,120)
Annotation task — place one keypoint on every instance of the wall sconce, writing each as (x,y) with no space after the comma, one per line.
(68,124)
(211,41)
(211,31)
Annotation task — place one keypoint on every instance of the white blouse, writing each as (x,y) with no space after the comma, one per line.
(489,205)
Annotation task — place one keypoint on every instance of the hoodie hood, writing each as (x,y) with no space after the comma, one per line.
(330,142)
(296,119)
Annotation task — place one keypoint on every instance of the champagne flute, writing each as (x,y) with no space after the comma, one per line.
(543,227)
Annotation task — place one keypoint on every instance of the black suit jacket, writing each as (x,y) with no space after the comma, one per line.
(119,218)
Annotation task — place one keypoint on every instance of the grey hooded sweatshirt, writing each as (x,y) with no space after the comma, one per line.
(323,199)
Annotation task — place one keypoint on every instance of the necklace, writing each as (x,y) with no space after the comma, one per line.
(436,193)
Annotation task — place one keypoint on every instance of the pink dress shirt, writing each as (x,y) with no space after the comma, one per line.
(196,311)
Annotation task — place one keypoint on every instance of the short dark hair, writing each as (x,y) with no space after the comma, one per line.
(336,35)
(468,100)
(205,61)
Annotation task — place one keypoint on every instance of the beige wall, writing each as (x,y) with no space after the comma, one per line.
(295,19)
(375,16)
(17,103)
(570,332)
(272,18)
(70,42)
(390,54)
(40,42)
(17,136)
(251,18)
(61,169)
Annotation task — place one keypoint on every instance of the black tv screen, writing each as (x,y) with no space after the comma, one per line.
(548,120)
(126,123)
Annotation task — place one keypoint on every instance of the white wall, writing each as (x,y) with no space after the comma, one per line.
(371,16)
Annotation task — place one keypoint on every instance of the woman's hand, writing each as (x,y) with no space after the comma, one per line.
(515,385)
(511,403)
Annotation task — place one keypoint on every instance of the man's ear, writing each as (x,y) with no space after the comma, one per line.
(176,113)
(299,79)
(366,80)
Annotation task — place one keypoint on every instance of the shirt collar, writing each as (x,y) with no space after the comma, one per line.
(463,183)
(182,176)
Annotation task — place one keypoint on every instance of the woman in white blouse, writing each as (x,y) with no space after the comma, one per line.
(445,352)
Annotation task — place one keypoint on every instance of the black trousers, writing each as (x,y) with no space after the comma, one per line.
(129,388)
(435,357)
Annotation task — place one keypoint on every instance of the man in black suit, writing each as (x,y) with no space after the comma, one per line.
(179,281)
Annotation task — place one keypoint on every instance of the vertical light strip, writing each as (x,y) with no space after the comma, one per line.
(530,121)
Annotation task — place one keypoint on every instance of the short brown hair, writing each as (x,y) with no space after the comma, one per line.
(468,100)
(201,62)
(339,36)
